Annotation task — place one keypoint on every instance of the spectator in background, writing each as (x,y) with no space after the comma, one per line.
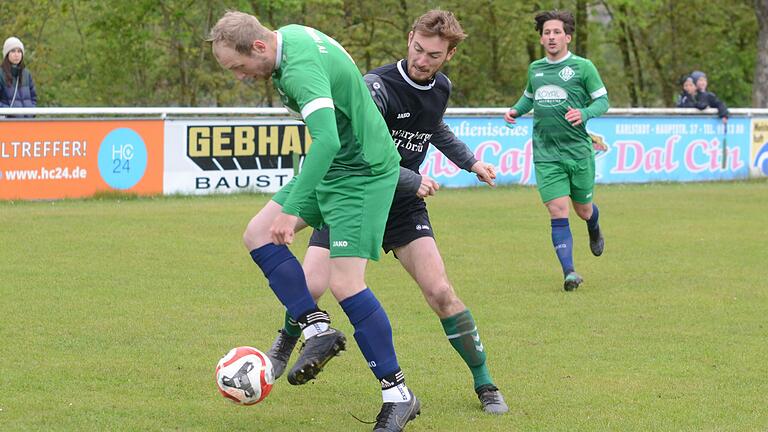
(707,98)
(689,97)
(17,90)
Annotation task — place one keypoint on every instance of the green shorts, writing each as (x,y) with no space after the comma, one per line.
(568,177)
(355,208)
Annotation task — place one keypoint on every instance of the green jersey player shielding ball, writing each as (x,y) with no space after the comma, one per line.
(565,91)
(347,183)
(412,95)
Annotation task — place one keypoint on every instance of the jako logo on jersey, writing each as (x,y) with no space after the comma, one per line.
(403,115)
(550,95)
(340,243)
(566,73)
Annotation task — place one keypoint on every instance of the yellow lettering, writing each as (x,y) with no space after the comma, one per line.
(221,138)
(291,141)
(307,140)
(198,142)
(269,136)
(244,141)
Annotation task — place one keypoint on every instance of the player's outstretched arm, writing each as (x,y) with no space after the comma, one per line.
(453,148)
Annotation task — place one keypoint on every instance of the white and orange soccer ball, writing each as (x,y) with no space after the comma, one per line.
(244,375)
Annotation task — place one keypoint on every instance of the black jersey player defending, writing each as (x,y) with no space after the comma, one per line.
(412,95)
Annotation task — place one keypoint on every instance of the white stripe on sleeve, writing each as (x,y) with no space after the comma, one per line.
(599,92)
(315,105)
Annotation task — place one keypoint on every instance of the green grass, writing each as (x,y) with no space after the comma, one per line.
(114,312)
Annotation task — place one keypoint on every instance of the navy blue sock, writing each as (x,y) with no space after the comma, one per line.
(592,224)
(562,240)
(286,278)
(373,332)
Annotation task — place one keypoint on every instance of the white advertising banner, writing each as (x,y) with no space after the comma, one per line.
(221,156)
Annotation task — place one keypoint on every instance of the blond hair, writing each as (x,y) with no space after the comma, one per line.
(441,23)
(238,30)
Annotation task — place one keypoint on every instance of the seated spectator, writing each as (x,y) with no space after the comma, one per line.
(17,90)
(707,98)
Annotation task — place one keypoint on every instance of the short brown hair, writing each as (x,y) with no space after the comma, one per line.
(238,30)
(441,23)
(569,23)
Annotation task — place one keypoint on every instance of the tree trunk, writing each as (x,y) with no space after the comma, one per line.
(625,56)
(760,86)
(638,66)
(494,42)
(582,28)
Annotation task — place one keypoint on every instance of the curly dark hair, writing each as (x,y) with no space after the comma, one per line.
(569,23)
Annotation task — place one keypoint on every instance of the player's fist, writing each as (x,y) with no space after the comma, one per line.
(510,116)
(428,187)
(283,228)
(574,116)
(485,172)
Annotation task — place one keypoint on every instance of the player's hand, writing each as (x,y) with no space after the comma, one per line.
(598,144)
(428,187)
(510,116)
(283,229)
(573,116)
(485,172)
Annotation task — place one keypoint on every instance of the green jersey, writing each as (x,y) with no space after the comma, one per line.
(552,88)
(315,76)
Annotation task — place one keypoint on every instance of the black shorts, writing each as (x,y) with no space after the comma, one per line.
(405,224)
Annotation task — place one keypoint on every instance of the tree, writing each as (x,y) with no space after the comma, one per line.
(150,53)
(760,84)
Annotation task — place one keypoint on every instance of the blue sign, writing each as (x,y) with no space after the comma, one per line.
(639,149)
(122,158)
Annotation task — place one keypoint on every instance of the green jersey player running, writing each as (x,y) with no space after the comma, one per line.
(565,91)
(347,183)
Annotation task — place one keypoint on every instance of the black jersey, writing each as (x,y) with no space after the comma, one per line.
(414,114)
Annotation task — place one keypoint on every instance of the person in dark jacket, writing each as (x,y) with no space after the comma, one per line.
(707,98)
(689,96)
(17,89)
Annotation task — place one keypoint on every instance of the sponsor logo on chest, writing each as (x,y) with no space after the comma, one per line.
(550,95)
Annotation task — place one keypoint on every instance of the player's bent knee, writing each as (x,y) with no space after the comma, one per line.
(584,211)
(443,300)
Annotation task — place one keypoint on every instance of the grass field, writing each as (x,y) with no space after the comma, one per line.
(114,312)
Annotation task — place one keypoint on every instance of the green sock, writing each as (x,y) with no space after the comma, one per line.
(291,326)
(463,336)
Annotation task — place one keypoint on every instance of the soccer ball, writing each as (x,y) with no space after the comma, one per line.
(244,375)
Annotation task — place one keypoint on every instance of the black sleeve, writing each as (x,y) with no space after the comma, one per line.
(714,102)
(448,144)
(452,147)
(408,183)
(378,92)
